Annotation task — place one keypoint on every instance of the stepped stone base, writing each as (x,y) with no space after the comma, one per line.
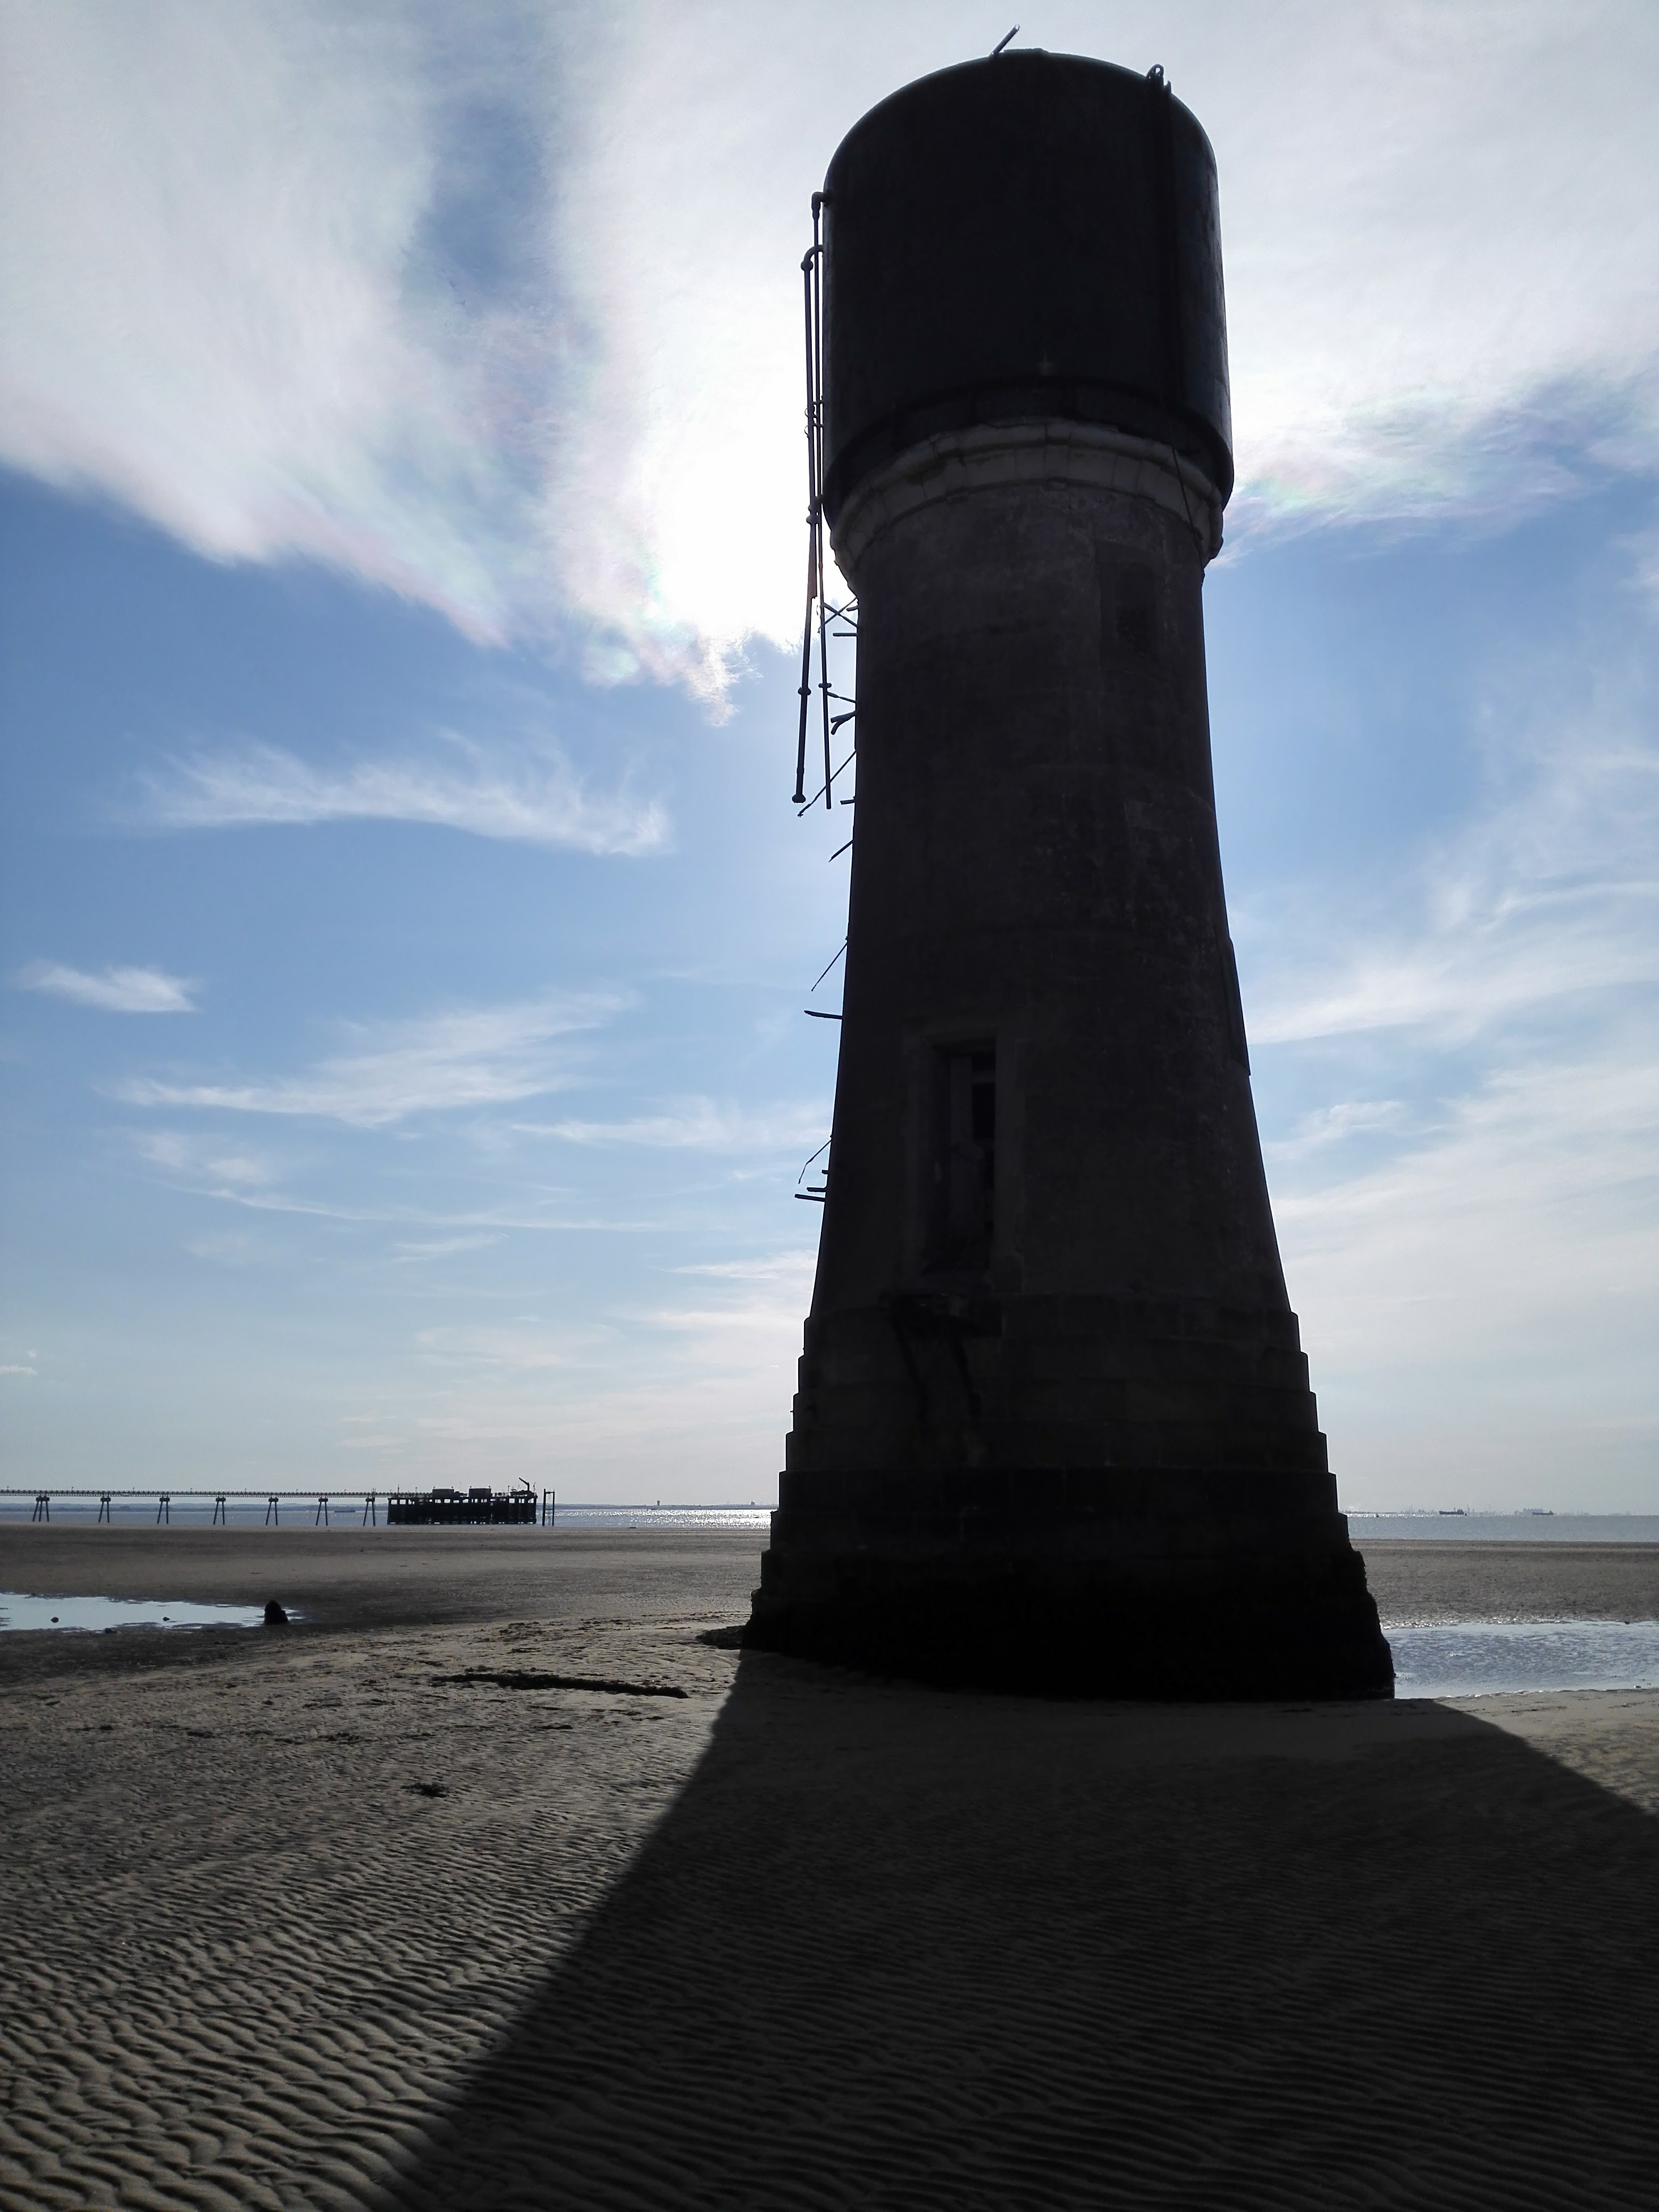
(1023,1383)
(1097,1583)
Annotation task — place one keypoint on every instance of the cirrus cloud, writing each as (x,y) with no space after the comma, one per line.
(502,313)
(463,1058)
(694,1125)
(114,990)
(530,797)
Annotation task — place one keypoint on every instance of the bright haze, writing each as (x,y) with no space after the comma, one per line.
(406,935)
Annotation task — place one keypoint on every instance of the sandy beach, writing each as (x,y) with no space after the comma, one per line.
(378,1910)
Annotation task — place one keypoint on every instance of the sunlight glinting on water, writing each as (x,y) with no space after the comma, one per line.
(1484,1658)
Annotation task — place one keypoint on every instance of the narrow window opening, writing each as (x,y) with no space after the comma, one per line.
(963,1193)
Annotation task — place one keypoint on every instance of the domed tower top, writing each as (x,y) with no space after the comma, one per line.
(1020,239)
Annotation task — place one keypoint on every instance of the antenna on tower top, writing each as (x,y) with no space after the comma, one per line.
(1001,43)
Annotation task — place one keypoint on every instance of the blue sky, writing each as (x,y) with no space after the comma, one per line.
(403,935)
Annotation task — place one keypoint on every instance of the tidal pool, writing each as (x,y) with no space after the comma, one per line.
(23,1609)
(1481,1658)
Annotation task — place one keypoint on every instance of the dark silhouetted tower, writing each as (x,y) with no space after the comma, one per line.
(1054,1427)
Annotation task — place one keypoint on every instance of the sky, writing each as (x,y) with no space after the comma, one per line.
(404,935)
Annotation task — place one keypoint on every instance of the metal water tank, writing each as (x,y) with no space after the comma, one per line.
(1030,238)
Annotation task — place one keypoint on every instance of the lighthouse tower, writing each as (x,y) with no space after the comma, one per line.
(1053,1428)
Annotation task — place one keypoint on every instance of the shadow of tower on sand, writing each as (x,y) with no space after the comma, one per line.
(894,1946)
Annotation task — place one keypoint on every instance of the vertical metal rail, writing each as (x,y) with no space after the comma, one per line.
(818,477)
(808,268)
(813,309)
(818,596)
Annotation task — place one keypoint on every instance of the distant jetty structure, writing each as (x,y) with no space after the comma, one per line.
(480,1507)
(1053,1429)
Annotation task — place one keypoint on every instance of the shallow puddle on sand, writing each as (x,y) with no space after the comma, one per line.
(23,1609)
(1483,1658)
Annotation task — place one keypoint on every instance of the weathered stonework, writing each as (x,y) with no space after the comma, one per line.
(1053,1428)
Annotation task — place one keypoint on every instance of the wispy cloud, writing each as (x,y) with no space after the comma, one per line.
(224,1249)
(468,1058)
(258,1182)
(1470,1216)
(696,1125)
(255,199)
(181,1152)
(442,1248)
(686,1400)
(1550,892)
(793,1268)
(532,796)
(112,990)
(396,292)
(1336,1124)
(1479,1304)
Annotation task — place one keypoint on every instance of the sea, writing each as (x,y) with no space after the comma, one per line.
(1531,1526)
(350,1509)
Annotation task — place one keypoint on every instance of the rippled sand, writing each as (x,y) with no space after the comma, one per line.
(299,1919)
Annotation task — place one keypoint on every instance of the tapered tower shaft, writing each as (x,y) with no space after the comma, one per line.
(1054,1426)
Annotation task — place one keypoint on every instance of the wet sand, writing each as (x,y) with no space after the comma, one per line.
(299,1918)
(380,1578)
(386,1577)
(1417,1582)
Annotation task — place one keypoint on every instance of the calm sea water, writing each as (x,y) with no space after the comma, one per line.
(1507,1528)
(346,1511)
(1479,1658)
(665,1516)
